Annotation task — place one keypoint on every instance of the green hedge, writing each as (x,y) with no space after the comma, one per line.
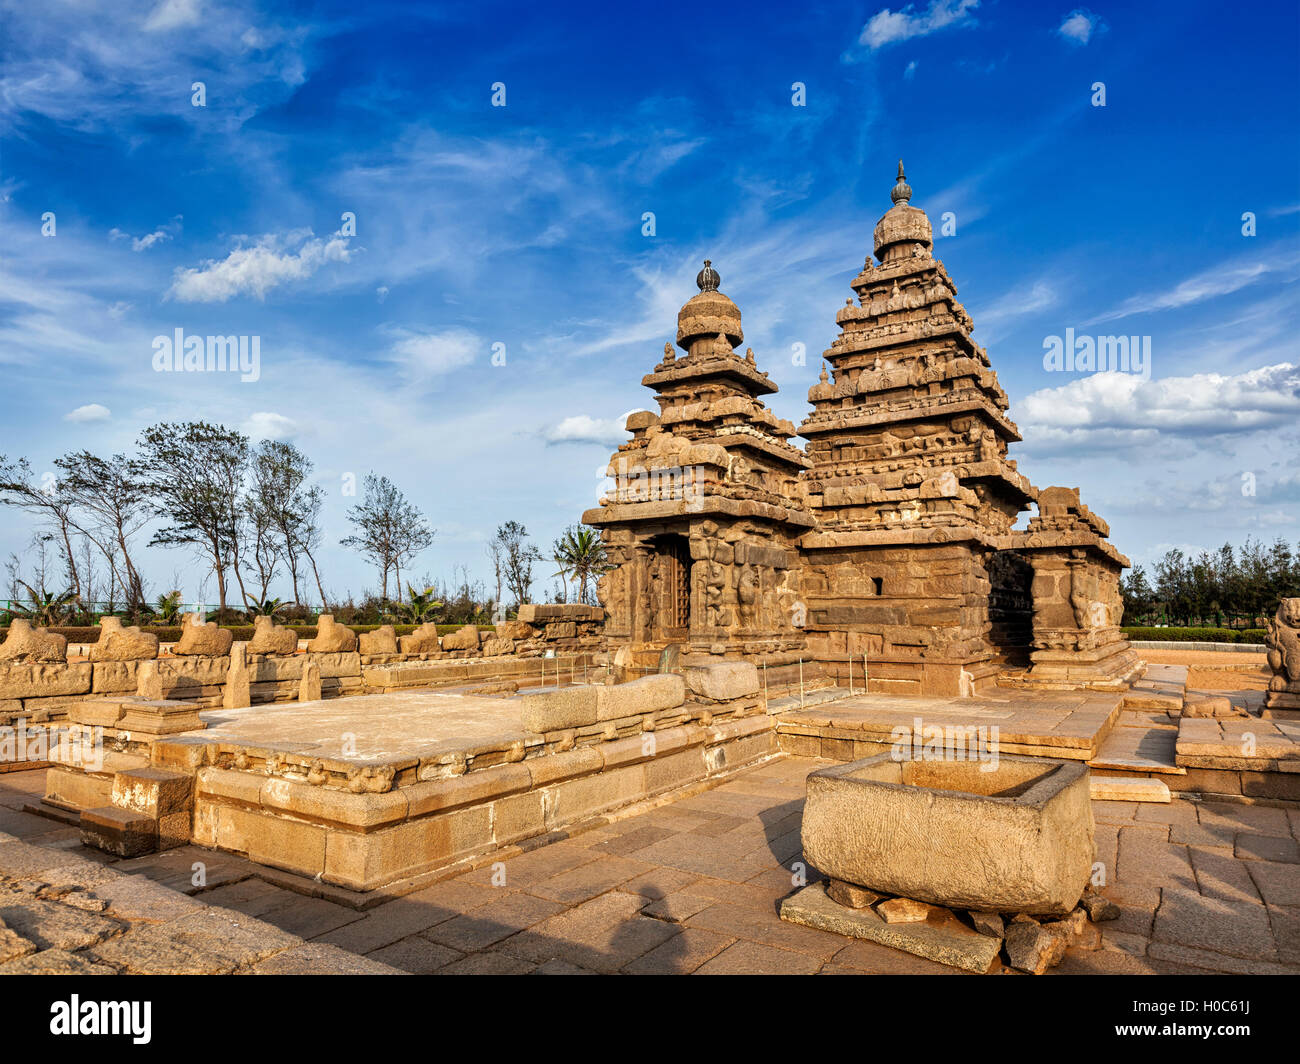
(1197,635)
(242,632)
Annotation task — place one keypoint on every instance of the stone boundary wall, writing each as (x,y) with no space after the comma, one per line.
(563,638)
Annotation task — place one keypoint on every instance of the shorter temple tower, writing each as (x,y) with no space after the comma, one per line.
(703,514)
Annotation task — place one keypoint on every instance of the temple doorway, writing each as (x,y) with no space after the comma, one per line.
(672,610)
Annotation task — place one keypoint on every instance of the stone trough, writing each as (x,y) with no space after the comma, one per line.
(1017,839)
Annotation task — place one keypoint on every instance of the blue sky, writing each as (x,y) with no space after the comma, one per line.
(522,225)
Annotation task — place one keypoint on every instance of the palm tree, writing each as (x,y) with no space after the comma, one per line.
(581,553)
(267,607)
(48,608)
(421,607)
(168,608)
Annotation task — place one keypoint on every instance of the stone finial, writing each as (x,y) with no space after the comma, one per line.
(823,378)
(707,280)
(902,190)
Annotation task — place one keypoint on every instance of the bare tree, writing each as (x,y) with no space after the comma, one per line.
(389,529)
(517,558)
(112,505)
(46,500)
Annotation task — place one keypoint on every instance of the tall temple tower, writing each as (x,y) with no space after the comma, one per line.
(705,511)
(910,478)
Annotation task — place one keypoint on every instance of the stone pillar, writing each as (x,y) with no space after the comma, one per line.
(238,680)
(309,686)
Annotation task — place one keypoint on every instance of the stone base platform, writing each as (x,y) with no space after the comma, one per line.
(1069,725)
(360,792)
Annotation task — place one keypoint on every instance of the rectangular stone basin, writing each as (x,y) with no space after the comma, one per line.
(1014,839)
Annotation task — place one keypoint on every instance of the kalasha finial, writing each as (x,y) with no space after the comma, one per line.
(902,190)
(707,279)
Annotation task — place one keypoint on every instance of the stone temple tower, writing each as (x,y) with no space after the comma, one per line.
(704,512)
(910,479)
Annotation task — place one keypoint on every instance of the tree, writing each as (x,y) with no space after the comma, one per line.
(115,502)
(48,501)
(389,529)
(517,558)
(580,555)
(194,473)
(290,506)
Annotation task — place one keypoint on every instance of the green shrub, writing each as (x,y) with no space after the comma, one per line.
(1196,635)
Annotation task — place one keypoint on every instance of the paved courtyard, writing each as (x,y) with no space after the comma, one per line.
(688,887)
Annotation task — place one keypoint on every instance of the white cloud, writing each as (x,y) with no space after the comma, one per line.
(1111,409)
(173,14)
(267,425)
(89,412)
(582,428)
(1078,26)
(421,356)
(889,27)
(257,269)
(909,70)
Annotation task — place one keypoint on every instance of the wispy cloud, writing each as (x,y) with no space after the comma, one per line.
(1217,280)
(890,27)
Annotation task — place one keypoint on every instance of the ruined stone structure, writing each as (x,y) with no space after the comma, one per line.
(889,543)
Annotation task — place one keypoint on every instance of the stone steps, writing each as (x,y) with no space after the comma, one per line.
(150,810)
(1140,742)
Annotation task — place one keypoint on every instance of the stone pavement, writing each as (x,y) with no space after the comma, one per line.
(691,886)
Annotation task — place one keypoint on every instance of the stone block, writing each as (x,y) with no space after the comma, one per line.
(1034,948)
(153,792)
(914,828)
(119,831)
(44,680)
(565,707)
(850,895)
(309,689)
(650,694)
(114,677)
(496,646)
(723,681)
(464,638)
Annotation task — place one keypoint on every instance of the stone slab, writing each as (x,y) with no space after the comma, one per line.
(1127,789)
(948,942)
